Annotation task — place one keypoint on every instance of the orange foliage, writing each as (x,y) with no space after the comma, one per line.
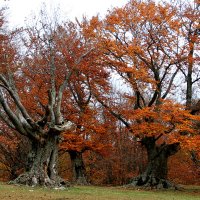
(182,170)
(139,43)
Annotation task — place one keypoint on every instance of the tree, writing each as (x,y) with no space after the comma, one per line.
(43,126)
(49,88)
(81,55)
(188,14)
(86,138)
(139,42)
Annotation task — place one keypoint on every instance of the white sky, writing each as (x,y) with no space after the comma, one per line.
(21,9)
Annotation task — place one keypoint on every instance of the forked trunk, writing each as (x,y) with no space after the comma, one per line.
(155,175)
(42,169)
(78,168)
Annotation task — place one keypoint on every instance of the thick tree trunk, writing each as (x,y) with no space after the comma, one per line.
(42,164)
(155,175)
(78,168)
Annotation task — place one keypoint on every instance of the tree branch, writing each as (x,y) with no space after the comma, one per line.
(11,114)
(170,84)
(16,99)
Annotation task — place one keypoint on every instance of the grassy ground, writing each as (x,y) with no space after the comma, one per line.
(12,192)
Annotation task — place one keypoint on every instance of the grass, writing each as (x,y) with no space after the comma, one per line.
(13,192)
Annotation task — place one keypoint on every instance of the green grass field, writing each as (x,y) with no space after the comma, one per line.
(12,192)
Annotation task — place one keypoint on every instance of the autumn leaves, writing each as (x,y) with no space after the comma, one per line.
(64,74)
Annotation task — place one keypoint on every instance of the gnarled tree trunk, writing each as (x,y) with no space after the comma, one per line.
(42,164)
(78,168)
(155,175)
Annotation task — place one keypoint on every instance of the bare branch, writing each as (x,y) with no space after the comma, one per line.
(58,116)
(117,115)
(14,95)
(11,114)
(170,84)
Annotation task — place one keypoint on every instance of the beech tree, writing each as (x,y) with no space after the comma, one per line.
(189,13)
(80,56)
(46,90)
(35,109)
(139,42)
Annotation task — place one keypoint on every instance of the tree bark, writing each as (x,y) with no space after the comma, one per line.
(78,168)
(42,164)
(155,175)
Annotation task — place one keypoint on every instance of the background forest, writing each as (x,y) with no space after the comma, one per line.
(108,100)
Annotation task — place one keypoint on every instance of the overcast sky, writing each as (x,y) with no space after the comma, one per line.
(20,9)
